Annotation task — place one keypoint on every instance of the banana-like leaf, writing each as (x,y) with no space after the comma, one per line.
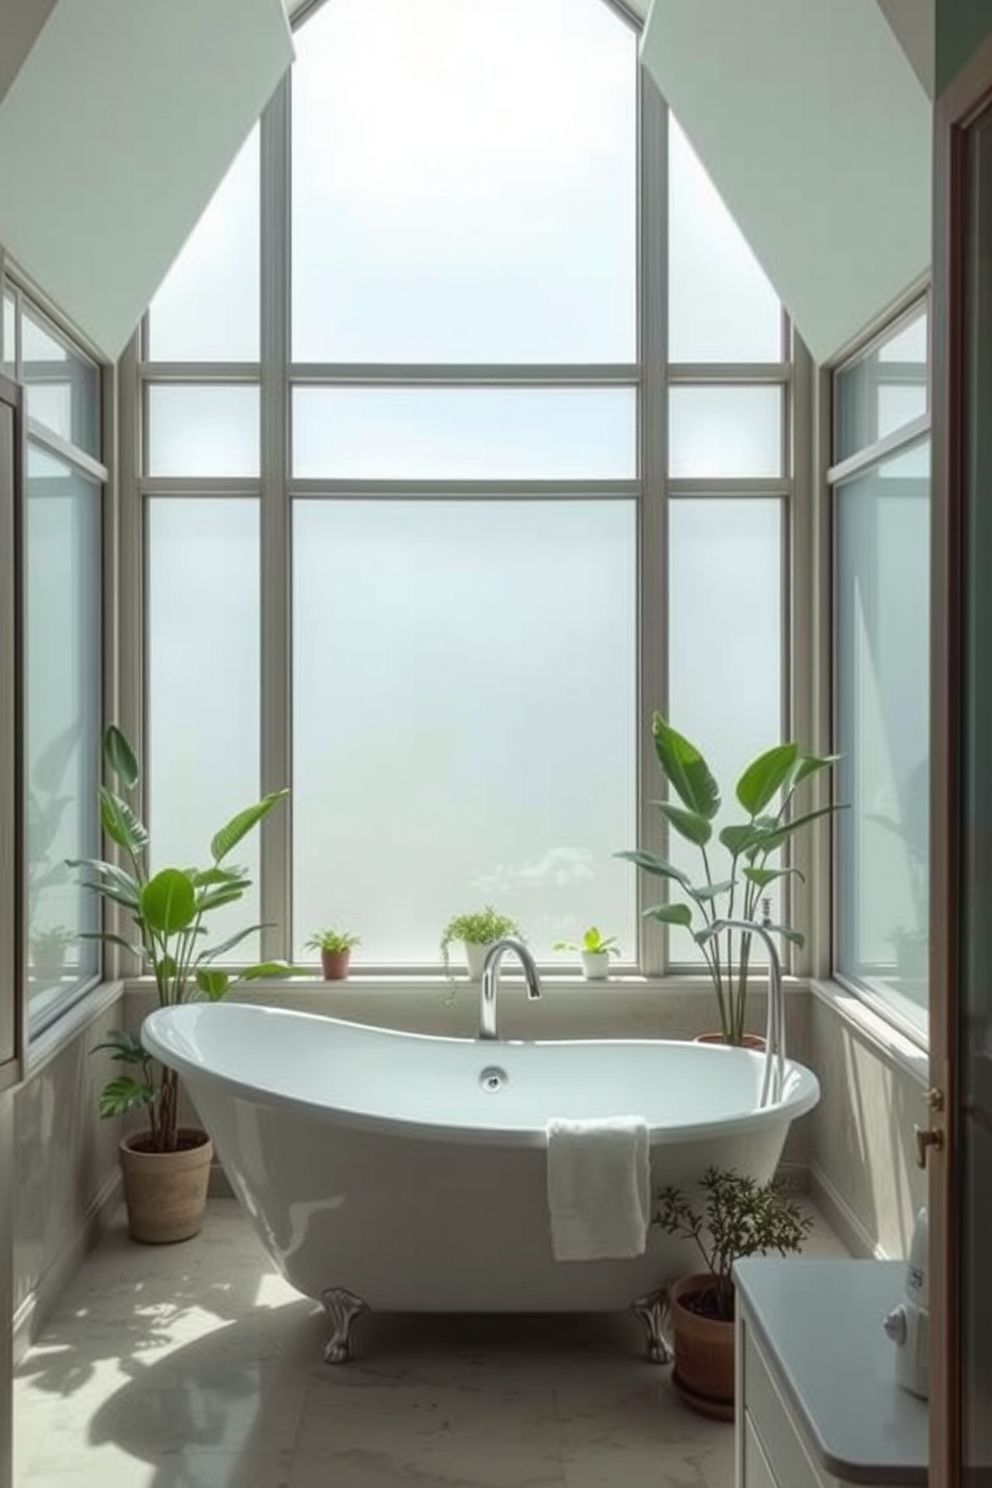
(120,757)
(670,914)
(168,903)
(213,984)
(652,863)
(689,824)
(267,969)
(707,892)
(111,939)
(773,840)
(124,881)
(740,837)
(240,825)
(794,937)
(214,898)
(227,945)
(204,878)
(811,764)
(765,776)
(765,876)
(125,1094)
(121,824)
(685,769)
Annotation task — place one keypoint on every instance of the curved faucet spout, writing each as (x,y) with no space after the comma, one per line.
(773,1078)
(490,981)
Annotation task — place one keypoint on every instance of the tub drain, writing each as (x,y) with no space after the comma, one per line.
(493,1078)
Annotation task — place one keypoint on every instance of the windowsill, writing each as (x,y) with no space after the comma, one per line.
(49,1044)
(383,984)
(897,1045)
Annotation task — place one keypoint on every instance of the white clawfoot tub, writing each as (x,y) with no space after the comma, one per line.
(408,1173)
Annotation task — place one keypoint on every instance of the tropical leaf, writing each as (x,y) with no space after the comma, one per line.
(125,1094)
(123,1045)
(670,914)
(111,939)
(204,878)
(125,882)
(227,945)
(772,840)
(240,825)
(652,863)
(794,937)
(811,764)
(120,757)
(266,969)
(689,824)
(705,893)
(765,776)
(765,876)
(215,898)
(168,903)
(685,769)
(213,984)
(739,838)
(121,824)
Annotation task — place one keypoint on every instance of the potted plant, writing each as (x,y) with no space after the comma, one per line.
(731,1217)
(477,932)
(48,948)
(595,951)
(733,887)
(335,949)
(166,1166)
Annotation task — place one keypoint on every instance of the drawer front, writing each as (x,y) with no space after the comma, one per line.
(786,1455)
(757,1471)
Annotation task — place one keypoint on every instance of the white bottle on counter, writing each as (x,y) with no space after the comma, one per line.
(908,1324)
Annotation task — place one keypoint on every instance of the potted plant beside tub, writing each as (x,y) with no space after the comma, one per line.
(731,1217)
(730,885)
(477,932)
(165,1166)
(595,952)
(335,947)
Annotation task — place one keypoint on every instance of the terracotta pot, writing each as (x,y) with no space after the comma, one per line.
(704,1351)
(166,1192)
(335,964)
(748,1040)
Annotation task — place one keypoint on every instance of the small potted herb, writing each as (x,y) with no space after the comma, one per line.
(731,1217)
(477,932)
(335,947)
(595,951)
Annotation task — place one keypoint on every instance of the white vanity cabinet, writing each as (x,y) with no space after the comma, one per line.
(817,1401)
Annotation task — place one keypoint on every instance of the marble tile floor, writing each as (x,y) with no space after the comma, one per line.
(196,1366)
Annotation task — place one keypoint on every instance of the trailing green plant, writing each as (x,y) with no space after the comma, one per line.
(732,1217)
(592,944)
(332,940)
(481,928)
(766,790)
(168,910)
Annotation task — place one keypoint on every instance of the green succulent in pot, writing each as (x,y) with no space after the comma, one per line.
(737,867)
(170,911)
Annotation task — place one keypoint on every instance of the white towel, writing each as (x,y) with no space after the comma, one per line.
(599,1187)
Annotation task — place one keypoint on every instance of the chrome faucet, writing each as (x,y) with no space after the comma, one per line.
(773,1079)
(490,981)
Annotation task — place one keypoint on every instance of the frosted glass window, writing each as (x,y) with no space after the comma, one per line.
(464,182)
(203,431)
(725,648)
(207,306)
(883,647)
(447,433)
(721,306)
(203,686)
(883,390)
(62,389)
(465,719)
(9,336)
(717,432)
(62,725)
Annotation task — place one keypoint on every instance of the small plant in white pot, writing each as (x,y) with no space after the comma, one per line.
(335,947)
(477,932)
(166,1166)
(595,952)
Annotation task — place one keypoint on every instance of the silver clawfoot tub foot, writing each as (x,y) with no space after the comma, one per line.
(652,1309)
(342,1307)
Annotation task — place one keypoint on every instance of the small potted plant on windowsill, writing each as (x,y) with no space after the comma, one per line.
(595,951)
(48,948)
(731,1217)
(733,888)
(477,932)
(335,947)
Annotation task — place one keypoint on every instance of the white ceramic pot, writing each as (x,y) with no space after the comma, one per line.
(475,955)
(595,965)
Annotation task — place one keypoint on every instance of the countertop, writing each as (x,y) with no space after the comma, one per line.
(819,1324)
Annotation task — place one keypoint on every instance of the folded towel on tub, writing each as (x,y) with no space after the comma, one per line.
(599,1187)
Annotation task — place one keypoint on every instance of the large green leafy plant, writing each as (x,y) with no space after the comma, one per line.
(169,910)
(736,866)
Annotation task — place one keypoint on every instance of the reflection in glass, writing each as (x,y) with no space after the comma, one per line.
(63,389)
(717,432)
(464,725)
(203,685)
(464,182)
(882,391)
(725,644)
(451,433)
(9,355)
(207,306)
(203,431)
(62,722)
(882,668)
(721,307)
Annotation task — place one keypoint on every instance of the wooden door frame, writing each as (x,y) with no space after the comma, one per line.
(957,106)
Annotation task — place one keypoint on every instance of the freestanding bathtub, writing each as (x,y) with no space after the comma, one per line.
(407,1173)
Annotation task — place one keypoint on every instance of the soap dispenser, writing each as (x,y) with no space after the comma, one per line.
(908,1322)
